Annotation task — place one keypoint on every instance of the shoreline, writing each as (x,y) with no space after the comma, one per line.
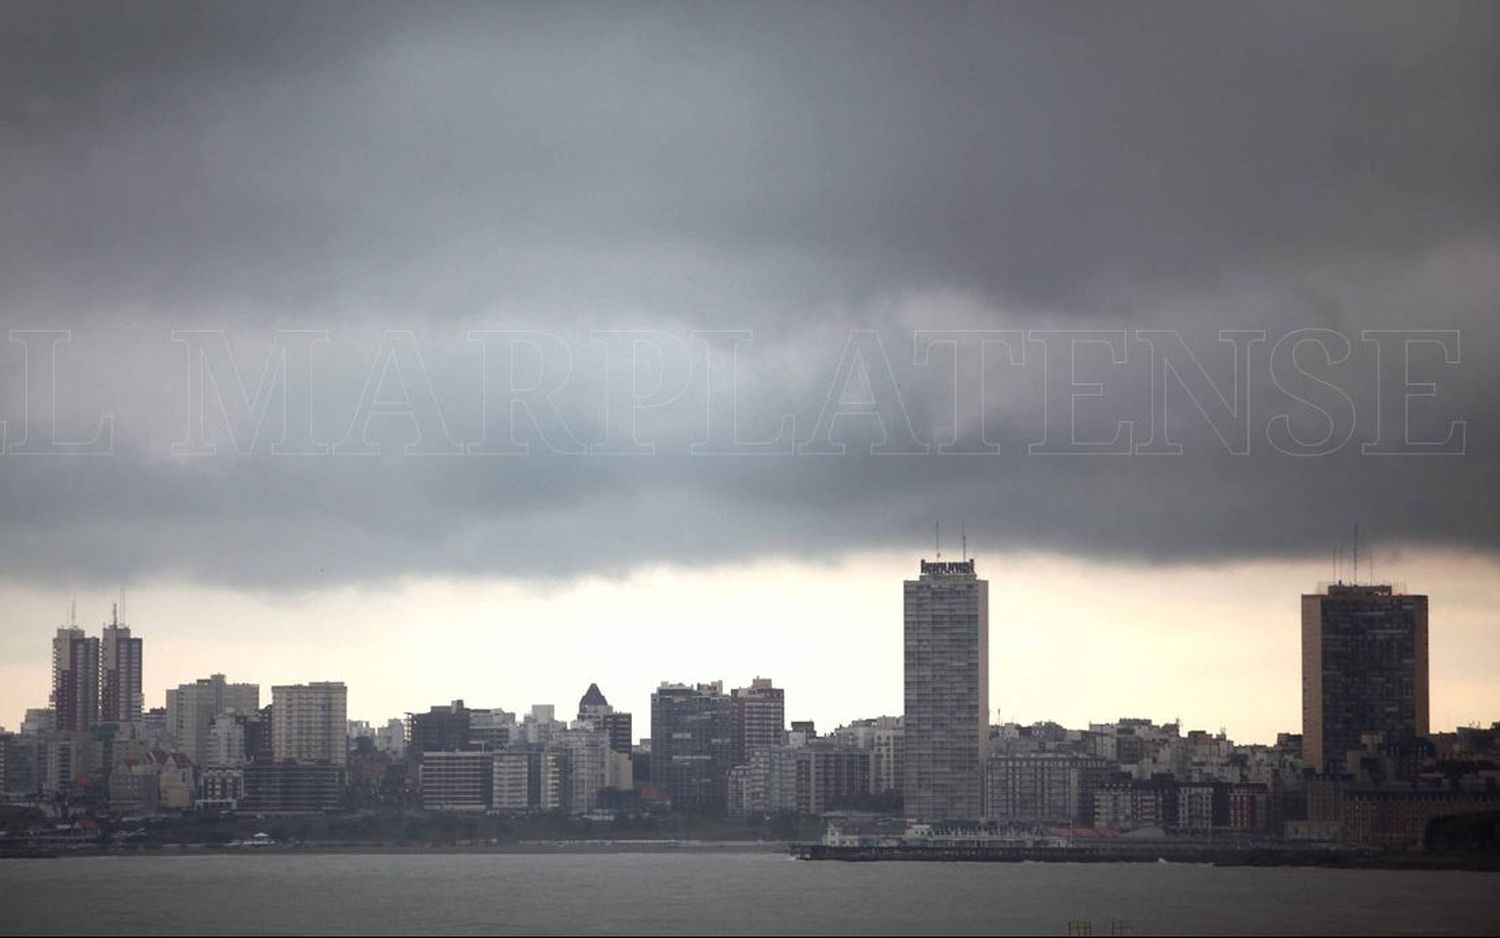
(1178,856)
(1171,854)
(325,848)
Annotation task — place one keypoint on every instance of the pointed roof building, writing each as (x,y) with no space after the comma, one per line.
(592,702)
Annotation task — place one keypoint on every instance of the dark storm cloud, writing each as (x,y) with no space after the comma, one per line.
(796,170)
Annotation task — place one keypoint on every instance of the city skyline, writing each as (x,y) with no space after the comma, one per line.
(1109,693)
(1366,767)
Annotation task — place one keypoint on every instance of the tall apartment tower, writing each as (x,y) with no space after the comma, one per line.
(1364,671)
(120,696)
(692,744)
(75,679)
(759,715)
(946,730)
(309,723)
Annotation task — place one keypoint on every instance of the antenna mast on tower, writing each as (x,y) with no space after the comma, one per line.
(1356,552)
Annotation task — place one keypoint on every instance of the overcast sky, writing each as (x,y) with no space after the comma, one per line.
(827,178)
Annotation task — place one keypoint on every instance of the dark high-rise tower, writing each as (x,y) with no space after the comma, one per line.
(691,744)
(1364,671)
(443,728)
(120,696)
(947,692)
(75,679)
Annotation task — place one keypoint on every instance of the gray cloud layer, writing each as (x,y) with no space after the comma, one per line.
(796,170)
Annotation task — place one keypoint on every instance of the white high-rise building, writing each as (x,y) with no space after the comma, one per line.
(539,725)
(946,727)
(491,729)
(881,736)
(574,768)
(226,741)
(512,786)
(309,723)
(391,738)
(191,709)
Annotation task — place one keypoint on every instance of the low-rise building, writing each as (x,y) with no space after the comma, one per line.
(1399,817)
(1249,808)
(456,780)
(1043,787)
(1202,806)
(800,779)
(1136,805)
(221,788)
(292,788)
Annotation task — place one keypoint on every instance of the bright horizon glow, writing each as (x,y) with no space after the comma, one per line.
(1071,640)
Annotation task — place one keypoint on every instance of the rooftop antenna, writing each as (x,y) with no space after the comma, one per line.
(963,537)
(114,614)
(73,613)
(937,533)
(1356,552)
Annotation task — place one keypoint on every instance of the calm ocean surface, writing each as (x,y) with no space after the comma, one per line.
(718,893)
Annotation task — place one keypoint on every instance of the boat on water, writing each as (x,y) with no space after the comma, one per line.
(259,841)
